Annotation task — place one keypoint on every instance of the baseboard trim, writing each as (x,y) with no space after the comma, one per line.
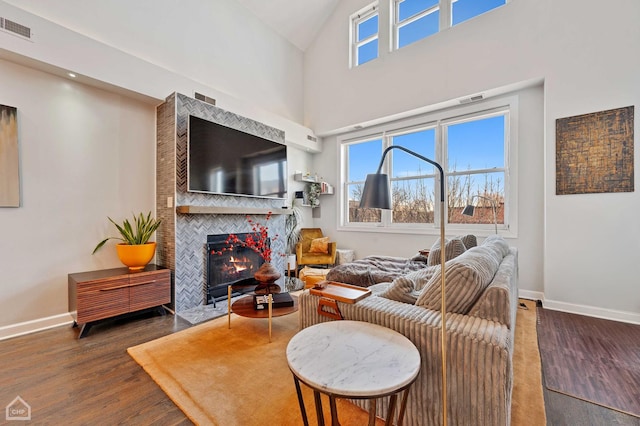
(592,311)
(531,295)
(27,327)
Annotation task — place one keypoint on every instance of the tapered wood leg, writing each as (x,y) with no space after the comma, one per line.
(229,306)
(334,411)
(372,412)
(391,409)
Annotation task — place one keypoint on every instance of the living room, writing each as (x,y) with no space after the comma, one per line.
(88,144)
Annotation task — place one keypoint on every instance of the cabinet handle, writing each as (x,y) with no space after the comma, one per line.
(128,285)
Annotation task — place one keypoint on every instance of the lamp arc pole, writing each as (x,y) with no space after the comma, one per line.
(376,194)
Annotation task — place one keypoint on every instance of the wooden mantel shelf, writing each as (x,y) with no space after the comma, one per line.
(230,210)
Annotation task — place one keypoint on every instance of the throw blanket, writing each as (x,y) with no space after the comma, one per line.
(375,269)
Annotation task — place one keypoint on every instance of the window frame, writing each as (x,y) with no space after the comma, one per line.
(507,105)
(360,16)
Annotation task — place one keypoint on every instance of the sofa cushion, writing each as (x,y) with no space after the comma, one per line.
(452,248)
(319,245)
(466,277)
(407,288)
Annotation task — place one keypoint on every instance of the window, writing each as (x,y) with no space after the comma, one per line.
(473,152)
(364,35)
(462,10)
(414,20)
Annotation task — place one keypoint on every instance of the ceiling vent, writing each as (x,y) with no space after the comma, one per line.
(15,28)
(475,98)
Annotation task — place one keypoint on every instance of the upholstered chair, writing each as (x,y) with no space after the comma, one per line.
(315,249)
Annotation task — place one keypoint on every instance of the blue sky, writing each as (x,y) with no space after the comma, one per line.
(477,144)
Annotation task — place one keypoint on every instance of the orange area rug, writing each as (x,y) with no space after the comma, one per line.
(221,376)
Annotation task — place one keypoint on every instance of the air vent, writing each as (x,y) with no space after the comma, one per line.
(205,98)
(15,28)
(472,99)
(312,138)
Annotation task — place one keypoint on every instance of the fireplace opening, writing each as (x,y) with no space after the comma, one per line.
(229,263)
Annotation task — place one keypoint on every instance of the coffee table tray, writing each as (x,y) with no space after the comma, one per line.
(341,292)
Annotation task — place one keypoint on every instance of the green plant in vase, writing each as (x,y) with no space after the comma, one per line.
(135,251)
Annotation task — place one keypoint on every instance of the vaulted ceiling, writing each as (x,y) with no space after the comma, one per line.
(297,20)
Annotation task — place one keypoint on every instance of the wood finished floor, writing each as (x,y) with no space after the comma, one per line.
(94,381)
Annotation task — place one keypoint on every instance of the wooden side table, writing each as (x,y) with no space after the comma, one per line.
(356,360)
(107,293)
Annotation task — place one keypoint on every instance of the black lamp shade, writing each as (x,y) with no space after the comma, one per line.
(376,193)
(468,211)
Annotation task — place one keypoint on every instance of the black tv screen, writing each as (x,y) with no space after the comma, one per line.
(222,160)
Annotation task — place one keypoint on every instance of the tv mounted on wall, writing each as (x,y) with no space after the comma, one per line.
(222,160)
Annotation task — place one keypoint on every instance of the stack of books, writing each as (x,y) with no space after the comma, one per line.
(280,300)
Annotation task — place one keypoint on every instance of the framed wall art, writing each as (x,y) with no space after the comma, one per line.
(9,158)
(594,152)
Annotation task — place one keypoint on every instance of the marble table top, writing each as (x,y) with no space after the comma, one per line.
(353,358)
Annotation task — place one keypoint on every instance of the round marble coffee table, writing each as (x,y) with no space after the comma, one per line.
(353,359)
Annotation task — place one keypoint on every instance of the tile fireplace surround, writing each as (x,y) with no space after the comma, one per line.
(183,236)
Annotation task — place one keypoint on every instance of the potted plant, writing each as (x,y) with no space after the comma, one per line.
(135,251)
(292,230)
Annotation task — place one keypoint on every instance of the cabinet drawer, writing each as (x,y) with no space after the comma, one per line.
(149,294)
(103,303)
(102,285)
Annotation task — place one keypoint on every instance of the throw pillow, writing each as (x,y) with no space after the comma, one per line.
(407,288)
(469,240)
(319,245)
(452,248)
(467,276)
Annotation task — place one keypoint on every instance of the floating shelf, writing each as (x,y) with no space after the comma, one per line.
(230,210)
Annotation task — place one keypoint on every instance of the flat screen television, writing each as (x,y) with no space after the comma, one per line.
(222,160)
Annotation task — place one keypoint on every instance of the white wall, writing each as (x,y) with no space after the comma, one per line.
(217,43)
(85,154)
(586,55)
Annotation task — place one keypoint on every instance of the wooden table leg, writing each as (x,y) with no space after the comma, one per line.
(319,413)
(372,412)
(334,411)
(403,406)
(303,410)
(391,409)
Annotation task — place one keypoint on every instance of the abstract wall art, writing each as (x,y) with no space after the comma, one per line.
(9,160)
(594,152)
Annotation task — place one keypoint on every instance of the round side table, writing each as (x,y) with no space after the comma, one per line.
(353,359)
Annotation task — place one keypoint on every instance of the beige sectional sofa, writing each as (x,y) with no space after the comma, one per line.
(481,286)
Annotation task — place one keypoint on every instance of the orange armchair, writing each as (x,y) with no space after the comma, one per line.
(314,248)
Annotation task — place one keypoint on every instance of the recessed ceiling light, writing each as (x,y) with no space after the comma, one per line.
(72,75)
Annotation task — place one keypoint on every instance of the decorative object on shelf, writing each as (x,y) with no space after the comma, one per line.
(377,194)
(470,209)
(313,192)
(292,230)
(259,242)
(135,251)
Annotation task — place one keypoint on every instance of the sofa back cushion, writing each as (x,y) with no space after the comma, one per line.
(467,276)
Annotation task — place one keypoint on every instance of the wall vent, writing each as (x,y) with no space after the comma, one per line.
(205,98)
(312,138)
(15,28)
(472,99)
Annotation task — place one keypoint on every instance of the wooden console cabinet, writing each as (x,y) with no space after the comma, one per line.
(97,295)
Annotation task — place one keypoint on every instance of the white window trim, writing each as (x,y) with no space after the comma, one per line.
(397,25)
(446,116)
(355,19)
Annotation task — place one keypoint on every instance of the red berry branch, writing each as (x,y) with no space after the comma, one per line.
(257,241)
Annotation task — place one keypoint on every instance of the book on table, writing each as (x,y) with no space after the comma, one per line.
(280,300)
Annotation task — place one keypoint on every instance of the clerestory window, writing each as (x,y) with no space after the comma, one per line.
(364,35)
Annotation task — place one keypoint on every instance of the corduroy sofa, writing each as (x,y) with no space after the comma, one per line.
(481,286)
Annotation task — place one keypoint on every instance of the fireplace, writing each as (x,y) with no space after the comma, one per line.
(228,263)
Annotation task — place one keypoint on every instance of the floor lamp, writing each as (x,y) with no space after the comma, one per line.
(469,210)
(377,194)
